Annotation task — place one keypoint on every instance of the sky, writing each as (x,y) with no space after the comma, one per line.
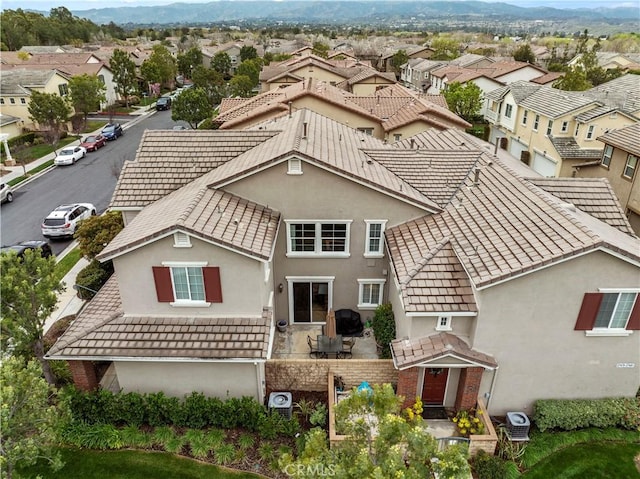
(79,5)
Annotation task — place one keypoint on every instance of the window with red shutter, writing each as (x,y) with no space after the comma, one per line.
(212,284)
(609,313)
(162,278)
(588,311)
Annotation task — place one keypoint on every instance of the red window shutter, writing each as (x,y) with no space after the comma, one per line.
(164,288)
(634,319)
(212,284)
(588,311)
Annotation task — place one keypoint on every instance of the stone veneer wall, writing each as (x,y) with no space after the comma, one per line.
(311,374)
(84,375)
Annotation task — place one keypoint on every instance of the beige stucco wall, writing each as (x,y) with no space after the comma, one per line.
(342,115)
(314,71)
(526,74)
(461,326)
(216,379)
(243,286)
(370,86)
(602,124)
(12,129)
(527,325)
(321,195)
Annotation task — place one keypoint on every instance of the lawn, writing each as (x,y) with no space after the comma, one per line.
(593,460)
(81,464)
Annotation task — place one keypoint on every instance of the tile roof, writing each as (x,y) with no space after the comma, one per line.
(502,227)
(626,139)
(167,160)
(19,81)
(469,59)
(101,330)
(568,148)
(592,195)
(596,112)
(501,68)
(412,352)
(553,103)
(622,92)
(548,78)
(208,214)
(519,90)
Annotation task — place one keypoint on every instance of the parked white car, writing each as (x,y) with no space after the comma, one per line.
(64,220)
(6,194)
(69,155)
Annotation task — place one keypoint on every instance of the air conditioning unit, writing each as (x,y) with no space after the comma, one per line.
(282,403)
(518,425)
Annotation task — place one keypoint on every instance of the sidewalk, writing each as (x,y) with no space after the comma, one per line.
(18,171)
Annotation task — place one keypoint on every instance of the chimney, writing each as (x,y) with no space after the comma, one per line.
(304,130)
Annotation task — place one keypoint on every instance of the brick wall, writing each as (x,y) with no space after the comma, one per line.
(311,374)
(468,387)
(407,386)
(84,375)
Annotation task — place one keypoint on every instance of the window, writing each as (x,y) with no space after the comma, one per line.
(577,129)
(366,131)
(307,238)
(23,101)
(370,293)
(565,127)
(63,88)
(606,155)
(397,136)
(549,127)
(444,323)
(374,238)
(630,167)
(590,132)
(536,122)
(294,166)
(508,110)
(524,117)
(1,101)
(187,284)
(609,313)
(101,78)
(12,101)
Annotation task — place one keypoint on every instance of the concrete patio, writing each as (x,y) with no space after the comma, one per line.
(292,344)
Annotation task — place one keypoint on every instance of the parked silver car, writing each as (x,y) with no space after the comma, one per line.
(6,193)
(63,221)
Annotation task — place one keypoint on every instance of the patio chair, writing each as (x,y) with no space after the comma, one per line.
(313,347)
(347,347)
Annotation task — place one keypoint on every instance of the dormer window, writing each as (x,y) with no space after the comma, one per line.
(294,166)
(444,323)
(181,240)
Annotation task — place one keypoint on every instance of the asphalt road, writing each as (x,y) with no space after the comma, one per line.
(90,180)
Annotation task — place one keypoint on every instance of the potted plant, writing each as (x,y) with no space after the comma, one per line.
(282,325)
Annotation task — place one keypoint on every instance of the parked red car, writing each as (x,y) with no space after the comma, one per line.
(93,142)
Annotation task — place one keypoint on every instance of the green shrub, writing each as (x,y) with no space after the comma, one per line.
(92,277)
(384,329)
(569,414)
(206,124)
(160,409)
(488,467)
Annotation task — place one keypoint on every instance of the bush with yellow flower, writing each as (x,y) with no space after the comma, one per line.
(468,423)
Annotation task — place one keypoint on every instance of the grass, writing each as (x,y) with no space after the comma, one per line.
(81,463)
(65,264)
(93,125)
(593,460)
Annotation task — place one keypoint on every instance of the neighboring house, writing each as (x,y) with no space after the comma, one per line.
(227,231)
(352,76)
(10,126)
(619,164)
(622,93)
(385,63)
(440,78)
(415,73)
(390,114)
(550,129)
(17,84)
(612,60)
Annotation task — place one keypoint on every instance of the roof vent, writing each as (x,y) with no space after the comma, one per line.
(304,130)
(476,177)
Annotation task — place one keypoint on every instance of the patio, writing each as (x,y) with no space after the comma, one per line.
(292,344)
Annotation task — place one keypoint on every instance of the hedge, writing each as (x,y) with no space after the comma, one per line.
(569,414)
(195,411)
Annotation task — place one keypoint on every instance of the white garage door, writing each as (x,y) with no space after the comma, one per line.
(516,148)
(544,166)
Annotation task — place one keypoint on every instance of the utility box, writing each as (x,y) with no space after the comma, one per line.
(282,403)
(518,425)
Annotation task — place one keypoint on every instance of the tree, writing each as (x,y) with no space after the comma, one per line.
(124,74)
(400,447)
(28,288)
(29,421)
(189,60)
(464,100)
(192,106)
(211,81)
(96,232)
(575,79)
(50,111)
(445,49)
(250,68)
(248,53)
(160,67)
(87,92)
(320,49)
(241,85)
(221,62)
(398,59)
(524,54)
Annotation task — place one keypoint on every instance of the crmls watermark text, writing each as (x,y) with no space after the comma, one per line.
(317,470)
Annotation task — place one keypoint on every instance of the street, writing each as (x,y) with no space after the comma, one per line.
(91,180)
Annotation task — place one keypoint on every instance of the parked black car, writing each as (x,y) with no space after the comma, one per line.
(26,245)
(112,131)
(163,103)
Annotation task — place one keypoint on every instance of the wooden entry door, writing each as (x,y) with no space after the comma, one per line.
(434,386)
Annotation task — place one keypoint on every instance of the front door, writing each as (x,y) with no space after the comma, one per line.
(310,301)
(434,386)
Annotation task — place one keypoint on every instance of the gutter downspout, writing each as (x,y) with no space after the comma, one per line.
(493,384)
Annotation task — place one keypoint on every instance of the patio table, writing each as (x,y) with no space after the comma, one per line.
(327,345)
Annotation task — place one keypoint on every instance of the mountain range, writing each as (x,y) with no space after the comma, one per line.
(346,12)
